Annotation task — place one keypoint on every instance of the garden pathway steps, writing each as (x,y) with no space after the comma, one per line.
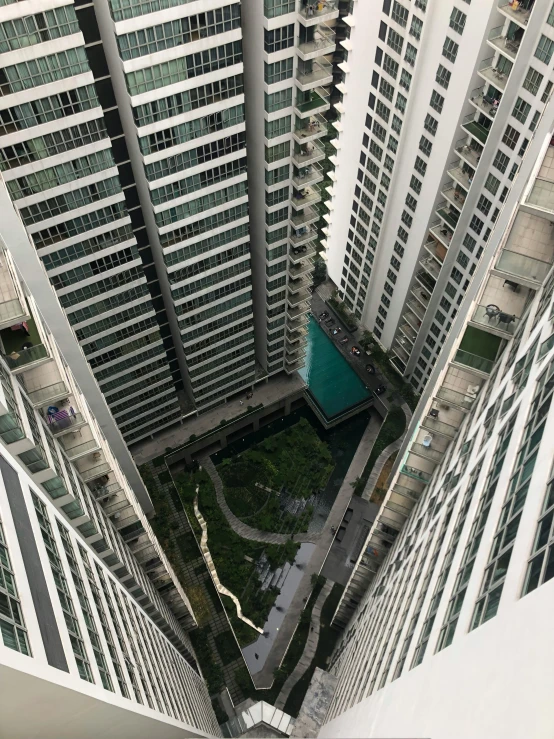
(240,528)
(385,454)
(309,648)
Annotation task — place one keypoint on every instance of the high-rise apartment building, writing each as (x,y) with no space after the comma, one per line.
(447,616)
(440,101)
(92,618)
(182,263)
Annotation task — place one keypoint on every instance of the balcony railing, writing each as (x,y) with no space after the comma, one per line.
(470,152)
(317,9)
(315,125)
(491,316)
(496,75)
(308,153)
(542,195)
(48,393)
(431,266)
(415,474)
(299,297)
(320,70)
(10,310)
(484,100)
(96,471)
(424,451)
(35,353)
(10,428)
(308,215)
(475,129)
(308,175)
(426,280)
(448,214)
(66,424)
(319,98)
(519,265)
(455,398)
(444,429)
(323,38)
(503,43)
(519,14)
(79,449)
(481,364)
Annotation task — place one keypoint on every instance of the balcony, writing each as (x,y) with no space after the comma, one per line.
(435,250)
(62,426)
(308,153)
(27,358)
(495,320)
(448,214)
(425,452)
(13,308)
(307,175)
(48,394)
(77,451)
(316,41)
(311,128)
(324,10)
(483,99)
(521,268)
(298,310)
(455,194)
(298,325)
(300,297)
(415,307)
(475,129)
(415,474)
(519,15)
(439,427)
(96,471)
(307,196)
(102,492)
(542,195)
(311,102)
(470,153)
(299,255)
(495,75)
(302,235)
(413,321)
(421,295)
(506,43)
(304,268)
(453,397)
(295,286)
(304,217)
(409,332)
(314,73)
(462,176)
(426,280)
(398,364)
(23,347)
(442,233)
(290,368)
(402,348)
(431,267)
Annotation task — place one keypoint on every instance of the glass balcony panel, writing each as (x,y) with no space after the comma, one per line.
(433,424)
(315,100)
(415,474)
(323,38)
(474,361)
(542,195)
(489,315)
(35,353)
(454,397)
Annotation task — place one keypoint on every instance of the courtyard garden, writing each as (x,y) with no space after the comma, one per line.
(272,486)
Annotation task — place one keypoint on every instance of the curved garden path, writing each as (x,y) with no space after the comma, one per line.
(385,454)
(240,528)
(309,648)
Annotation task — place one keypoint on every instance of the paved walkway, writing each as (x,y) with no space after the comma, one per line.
(309,648)
(384,456)
(264,678)
(238,526)
(266,393)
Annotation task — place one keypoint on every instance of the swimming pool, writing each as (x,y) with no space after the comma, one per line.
(331,380)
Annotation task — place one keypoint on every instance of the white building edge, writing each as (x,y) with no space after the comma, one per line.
(92,617)
(451,634)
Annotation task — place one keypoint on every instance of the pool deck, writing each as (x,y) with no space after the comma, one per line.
(357,363)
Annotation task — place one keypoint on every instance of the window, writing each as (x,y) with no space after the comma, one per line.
(431,124)
(405,79)
(544,50)
(395,263)
(389,163)
(425,146)
(385,181)
(278,100)
(399,249)
(457,20)
(12,628)
(550,19)
(492,184)
(392,144)
(547,90)
(274,8)
(416,27)
(403,234)
(456,275)
(450,49)
(443,76)
(484,205)
(34,29)
(421,4)
(390,66)
(375,150)
(278,71)
(395,41)
(382,111)
(177,32)
(386,89)
(420,166)
(476,225)
(278,127)
(437,101)
(46,69)
(501,161)
(396,124)
(399,14)
(532,81)
(401,102)
(534,120)
(521,110)
(278,39)
(379,131)
(407,218)
(416,184)
(411,202)
(410,56)
(510,137)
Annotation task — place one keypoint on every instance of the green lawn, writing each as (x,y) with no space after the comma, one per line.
(480,343)
(295,459)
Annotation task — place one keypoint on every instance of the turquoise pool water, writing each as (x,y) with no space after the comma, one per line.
(331,380)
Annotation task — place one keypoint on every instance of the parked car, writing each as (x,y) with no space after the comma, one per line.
(370,368)
(323,316)
(355,351)
(336,330)
(381,389)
